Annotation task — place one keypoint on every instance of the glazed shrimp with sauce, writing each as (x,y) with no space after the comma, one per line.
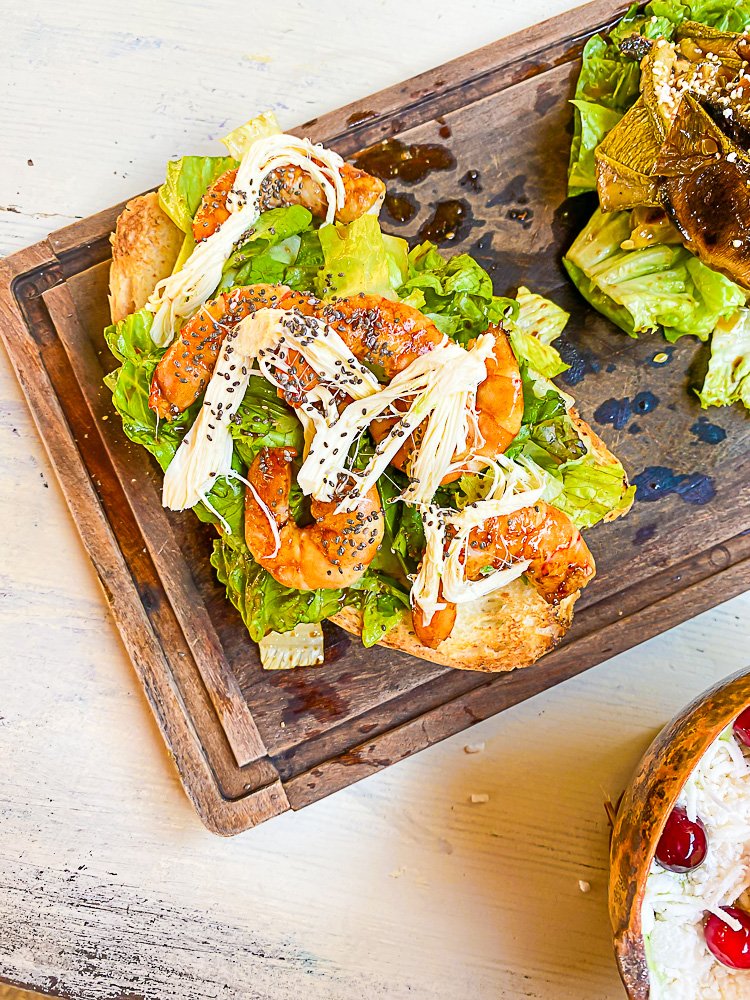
(333,551)
(560,562)
(185,369)
(385,334)
(291,185)
(391,335)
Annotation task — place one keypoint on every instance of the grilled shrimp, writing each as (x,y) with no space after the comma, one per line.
(387,334)
(560,560)
(186,368)
(333,551)
(291,186)
(499,404)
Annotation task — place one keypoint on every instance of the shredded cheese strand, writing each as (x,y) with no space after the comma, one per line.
(264,336)
(182,293)
(442,386)
(515,485)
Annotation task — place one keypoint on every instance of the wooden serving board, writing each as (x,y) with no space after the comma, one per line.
(250,744)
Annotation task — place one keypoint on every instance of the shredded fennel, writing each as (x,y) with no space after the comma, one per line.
(183,292)
(514,484)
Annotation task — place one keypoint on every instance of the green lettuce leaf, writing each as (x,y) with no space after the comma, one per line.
(455,293)
(358,257)
(592,123)
(728,378)
(227,500)
(548,435)
(382,601)
(585,482)
(186,183)
(725,15)
(607,86)
(538,323)
(130,342)
(266,606)
(641,290)
(593,490)
(240,139)
(264,421)
(271,252)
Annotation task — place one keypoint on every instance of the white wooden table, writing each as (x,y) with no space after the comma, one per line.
(396,887)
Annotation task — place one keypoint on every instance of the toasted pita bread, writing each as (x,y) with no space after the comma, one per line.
(145,247)
(510,628)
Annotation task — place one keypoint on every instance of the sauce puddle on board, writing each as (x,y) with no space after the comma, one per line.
(400,207)
(411,163)
(447,221)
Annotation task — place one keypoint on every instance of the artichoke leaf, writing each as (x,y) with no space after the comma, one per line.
(697,40)
(625,161)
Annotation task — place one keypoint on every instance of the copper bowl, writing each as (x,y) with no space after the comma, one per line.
(643,811)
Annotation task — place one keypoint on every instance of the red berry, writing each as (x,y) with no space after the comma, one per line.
(683,843)
(731,947)
(742,727)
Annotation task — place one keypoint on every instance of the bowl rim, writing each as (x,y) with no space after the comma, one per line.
(645,806)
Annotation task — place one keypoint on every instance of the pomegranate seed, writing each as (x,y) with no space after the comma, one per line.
(731,947)
(742,727)
(683,843)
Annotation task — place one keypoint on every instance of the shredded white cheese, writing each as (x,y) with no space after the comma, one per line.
(264,337)
(515,485)
(681,966)
(441,387)
(183,292)
(205,453)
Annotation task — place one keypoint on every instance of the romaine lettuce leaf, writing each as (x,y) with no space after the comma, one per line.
(548,435)
(728,378)
(607,86)
(271,251)
(725,15)
(538,323)
(594,490)
(643,289)
(382,601)
(240,139)
(187,181)
(586,482)
(266,606)
(130,342)
(264,421)
(358,257)
(455,293)
(592,123)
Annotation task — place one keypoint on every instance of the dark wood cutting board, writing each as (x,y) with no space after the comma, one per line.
(250,744)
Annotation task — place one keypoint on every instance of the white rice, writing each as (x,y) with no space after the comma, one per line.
(674,906)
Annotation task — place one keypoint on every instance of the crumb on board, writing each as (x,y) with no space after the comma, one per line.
(583,885)
(477,798)
(474,747)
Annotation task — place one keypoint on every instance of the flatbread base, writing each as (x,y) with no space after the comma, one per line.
(510,628)
(145,247)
